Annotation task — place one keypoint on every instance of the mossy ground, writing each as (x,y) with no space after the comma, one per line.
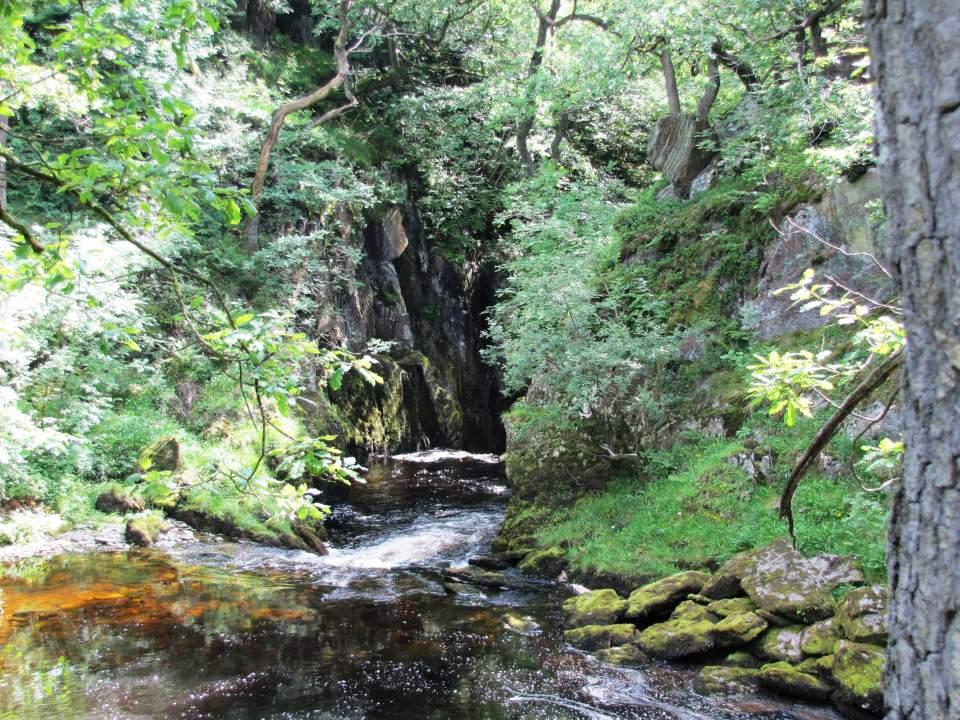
(692,508)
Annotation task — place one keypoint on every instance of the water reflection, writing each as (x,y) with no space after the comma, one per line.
(227,630)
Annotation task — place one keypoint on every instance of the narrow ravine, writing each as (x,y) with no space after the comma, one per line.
(204,628)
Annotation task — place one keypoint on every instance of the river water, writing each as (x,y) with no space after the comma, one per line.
(210,629)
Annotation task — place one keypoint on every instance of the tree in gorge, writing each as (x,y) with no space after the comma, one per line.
(916,61)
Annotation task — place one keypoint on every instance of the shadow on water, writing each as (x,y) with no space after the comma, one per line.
(209,629)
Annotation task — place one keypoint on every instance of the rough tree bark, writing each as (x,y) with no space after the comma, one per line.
(670,81)
(340,79)
(917,66)
(547,21)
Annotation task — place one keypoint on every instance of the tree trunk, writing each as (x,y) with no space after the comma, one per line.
(546,22)
(710,92)
(3,163)
(563,126)
(917,62)
(342,78)
(670,81)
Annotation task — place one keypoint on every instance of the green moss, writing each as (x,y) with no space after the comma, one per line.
(659,597)
(600,637)
(144,530)
(739,628)
(716,679)
(784,678)
(600,607)
(689,631)
(546,563)
(858,671)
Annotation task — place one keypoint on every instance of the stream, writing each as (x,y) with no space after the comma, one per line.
(205,628)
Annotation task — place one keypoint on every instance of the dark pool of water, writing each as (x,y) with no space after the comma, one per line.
(209,629)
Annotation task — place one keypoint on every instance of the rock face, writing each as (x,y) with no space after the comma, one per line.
(674,149)
(437,391)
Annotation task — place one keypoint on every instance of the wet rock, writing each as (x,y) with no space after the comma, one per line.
(628,654)
(782,677)
(545,563)
(600,637)
(162,455)
(689,631)
(658,598)
(780,644)
(489,579)
(118,500)
(858,672)
(730,606)
(820,638)
(498,561)
(523,625)
(738,629)
(721,679)
(863,615)
(781,581)
(741,659)
(599,607)
(144,530)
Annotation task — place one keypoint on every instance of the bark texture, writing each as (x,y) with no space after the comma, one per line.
(917,66)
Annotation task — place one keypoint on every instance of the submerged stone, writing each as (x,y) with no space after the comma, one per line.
(599,607)
(719,679)
(523,625)
(658,598)
(858,672)
(784,678)
(600,637)
(628,654)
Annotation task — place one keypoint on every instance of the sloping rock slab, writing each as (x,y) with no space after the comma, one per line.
(660,597)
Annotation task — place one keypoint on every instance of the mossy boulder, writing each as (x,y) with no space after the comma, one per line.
(820,638)
(544,563)
(858,673)
(162,455)
(731,606)
(782,677)
(145,530)
(725,679)
(780,643)
(863,615)
(822,667)
(741,658)
(738,629)
(118,500)
(660,597)
(628,654)
(781,581)
(599,607)
(600,637)
(689,631)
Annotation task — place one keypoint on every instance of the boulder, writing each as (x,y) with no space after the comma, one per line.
(675,150)
(599,607)
(660,597)
(782,677)
(781,581)
(821,667)
(858,673)
(820,638)
(144,530)
(863,615)
(600,637)
(719,679)
(780,644)
(731,606)
(162,455)
(628,654)
(545,563)
(738,629)
(689,631)
(523,625)
(118,500)
(742,659)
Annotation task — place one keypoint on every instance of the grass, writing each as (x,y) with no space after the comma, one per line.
(702,509)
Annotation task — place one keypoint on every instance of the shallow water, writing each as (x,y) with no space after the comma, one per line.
(211,629)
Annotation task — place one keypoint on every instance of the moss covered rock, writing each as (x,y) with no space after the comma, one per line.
(600,607)
(145,530)
(162,455)
(863,615)
(600,637)
(821,667)
(118,500)
(858,673)
(660,597)
(731,606)
(628,654)
(781,581)
(820,638)
(782,677)
(741,658)
(720,679)
(544,563)
(738,629)
(780,643)
(689,631)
